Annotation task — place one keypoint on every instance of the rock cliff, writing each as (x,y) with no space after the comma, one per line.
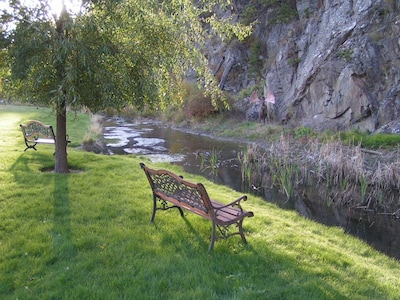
(331,64)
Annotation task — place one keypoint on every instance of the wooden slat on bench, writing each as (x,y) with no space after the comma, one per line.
(228,214)
(44,141)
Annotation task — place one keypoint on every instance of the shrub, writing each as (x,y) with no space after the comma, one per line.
(304,132)
(370,141)
(198,105)
(347,54)
(255,60)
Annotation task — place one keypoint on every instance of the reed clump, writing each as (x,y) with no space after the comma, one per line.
(210,160)
(343,174)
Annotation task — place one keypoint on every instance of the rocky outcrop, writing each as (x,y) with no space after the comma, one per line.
(98,147)
(335,66)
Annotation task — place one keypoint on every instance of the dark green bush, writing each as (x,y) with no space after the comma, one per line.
(255,60)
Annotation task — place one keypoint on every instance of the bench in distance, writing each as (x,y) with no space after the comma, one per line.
(35,132)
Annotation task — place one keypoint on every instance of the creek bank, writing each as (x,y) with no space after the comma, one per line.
(320,201)
(363,179)
(300,151)
(368,161)
(356,192)
(328,184)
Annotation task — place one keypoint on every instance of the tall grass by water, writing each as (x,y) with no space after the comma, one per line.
(87,235)
(349,175)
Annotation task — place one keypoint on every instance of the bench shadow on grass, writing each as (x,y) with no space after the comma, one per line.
(200,239)
(251,269)
(28,161)
(176,235)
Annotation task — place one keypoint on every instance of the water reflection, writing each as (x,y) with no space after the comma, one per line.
(163,144)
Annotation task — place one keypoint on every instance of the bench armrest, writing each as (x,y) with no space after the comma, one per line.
(233,203)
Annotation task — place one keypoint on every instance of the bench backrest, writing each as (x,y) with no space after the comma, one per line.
(171,185)
(36,129)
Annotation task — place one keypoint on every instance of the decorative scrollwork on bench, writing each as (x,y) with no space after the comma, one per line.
(35,132)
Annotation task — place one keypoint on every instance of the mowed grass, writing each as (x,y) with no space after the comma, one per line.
(87,235)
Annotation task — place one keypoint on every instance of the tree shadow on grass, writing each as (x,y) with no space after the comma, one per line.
(62,232)
(25,170)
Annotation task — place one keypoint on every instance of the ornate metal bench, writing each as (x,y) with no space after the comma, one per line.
(36,132)
(172,191)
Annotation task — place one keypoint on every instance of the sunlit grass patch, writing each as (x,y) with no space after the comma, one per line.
(88,235)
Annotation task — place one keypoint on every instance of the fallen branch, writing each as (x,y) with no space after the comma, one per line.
(371,152)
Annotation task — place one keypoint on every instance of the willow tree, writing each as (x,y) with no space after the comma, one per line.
(112,53)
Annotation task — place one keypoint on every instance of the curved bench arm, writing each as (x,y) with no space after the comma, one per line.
(233,203)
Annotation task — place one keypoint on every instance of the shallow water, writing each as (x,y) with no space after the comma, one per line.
(191,151)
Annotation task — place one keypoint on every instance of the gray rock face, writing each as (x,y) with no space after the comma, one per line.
(335,67)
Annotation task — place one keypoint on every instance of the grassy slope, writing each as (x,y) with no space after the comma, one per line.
(87,235)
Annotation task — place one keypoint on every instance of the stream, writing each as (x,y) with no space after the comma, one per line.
(217,160)
(192,152)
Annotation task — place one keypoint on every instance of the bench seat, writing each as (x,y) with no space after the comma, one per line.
(43,141)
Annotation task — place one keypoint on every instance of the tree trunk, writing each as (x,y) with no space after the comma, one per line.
(61,165)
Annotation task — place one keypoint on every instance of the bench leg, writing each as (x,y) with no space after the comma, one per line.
(154,208)
(240,227)
(164,207)
(180,211)
(225,234)
(213,236)
(30,146)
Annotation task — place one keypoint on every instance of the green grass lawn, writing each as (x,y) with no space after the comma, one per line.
(87,235)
